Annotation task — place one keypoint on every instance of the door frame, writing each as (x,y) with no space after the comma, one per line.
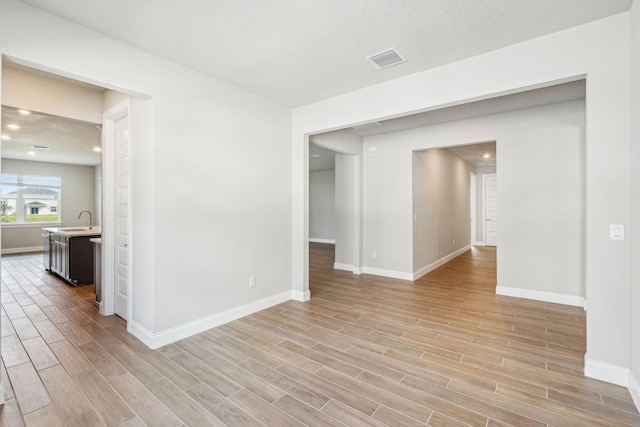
(473,208)
(109,247)
(484,205)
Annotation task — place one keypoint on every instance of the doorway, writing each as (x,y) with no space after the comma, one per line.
(71,99)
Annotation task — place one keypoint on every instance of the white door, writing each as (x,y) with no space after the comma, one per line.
(122,216)
(472,208)
(490,210)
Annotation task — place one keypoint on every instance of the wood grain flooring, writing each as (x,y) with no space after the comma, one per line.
(364,351)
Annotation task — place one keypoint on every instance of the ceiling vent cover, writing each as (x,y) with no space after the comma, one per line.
(386,58)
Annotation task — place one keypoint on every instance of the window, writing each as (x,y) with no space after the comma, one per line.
(29,198)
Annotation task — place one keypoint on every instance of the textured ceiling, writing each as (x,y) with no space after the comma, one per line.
(297,52)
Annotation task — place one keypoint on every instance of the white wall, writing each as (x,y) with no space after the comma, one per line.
(599,51)
(541,200)
(322,215)
(33,92)
(347,212)
(198,145)
(635,200)
(78,193)
(440,206)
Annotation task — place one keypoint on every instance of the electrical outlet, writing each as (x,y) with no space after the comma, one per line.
(454,241)
(252,281)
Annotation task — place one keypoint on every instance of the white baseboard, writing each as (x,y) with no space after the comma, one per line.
(438,263)
(1,394)
(341,266)
(9,251)
(573,300)
(301,296)
(634,389)
(388,273)
(155,340)
(605,371)
(316,240)
(358,270)
(479,244)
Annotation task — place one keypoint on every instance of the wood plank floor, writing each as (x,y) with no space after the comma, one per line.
(365,351)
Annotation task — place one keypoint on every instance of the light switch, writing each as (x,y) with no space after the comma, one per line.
(373,149)
(616,231)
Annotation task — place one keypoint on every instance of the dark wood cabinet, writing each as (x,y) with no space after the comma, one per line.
(72,258)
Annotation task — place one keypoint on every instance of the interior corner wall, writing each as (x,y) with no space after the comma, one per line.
(78,193)
(634,161)
(322,213)
(440,206)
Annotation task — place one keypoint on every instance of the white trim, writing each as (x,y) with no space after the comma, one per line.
(1,393)
(438,263)
(358,270)
(634,389)
(484,204)
(606,371)
(479,244)
(402,275)
(169,336)
(300,295)
(22,250)
(316,240)
(341,266)
(541,296)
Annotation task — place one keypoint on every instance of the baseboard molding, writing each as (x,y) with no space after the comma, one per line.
(316,240)
(634,389)
(541,296)
(605,371)
(1,394)
(388,273)
(155,340)
(438,263)
(301,296)
(10,251)
(341,266)
(479,244)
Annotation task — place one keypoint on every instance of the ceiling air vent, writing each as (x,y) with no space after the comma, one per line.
(367,126)
(386,58)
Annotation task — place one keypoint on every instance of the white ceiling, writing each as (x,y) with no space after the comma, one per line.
(297,52)
(70,141)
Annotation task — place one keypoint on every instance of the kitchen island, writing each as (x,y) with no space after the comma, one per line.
(68,252)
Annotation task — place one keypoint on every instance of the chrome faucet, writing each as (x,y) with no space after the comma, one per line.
(90,218)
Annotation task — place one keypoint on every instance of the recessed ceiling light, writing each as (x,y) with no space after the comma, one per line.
(13,126)
(40,147)
(5,137)
(24,112)
(31,153)
(97,149)
(486,155)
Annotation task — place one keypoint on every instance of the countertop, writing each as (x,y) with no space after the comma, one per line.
(97,240)
(96,230)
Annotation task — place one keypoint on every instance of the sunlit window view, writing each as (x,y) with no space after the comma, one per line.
(29,198)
